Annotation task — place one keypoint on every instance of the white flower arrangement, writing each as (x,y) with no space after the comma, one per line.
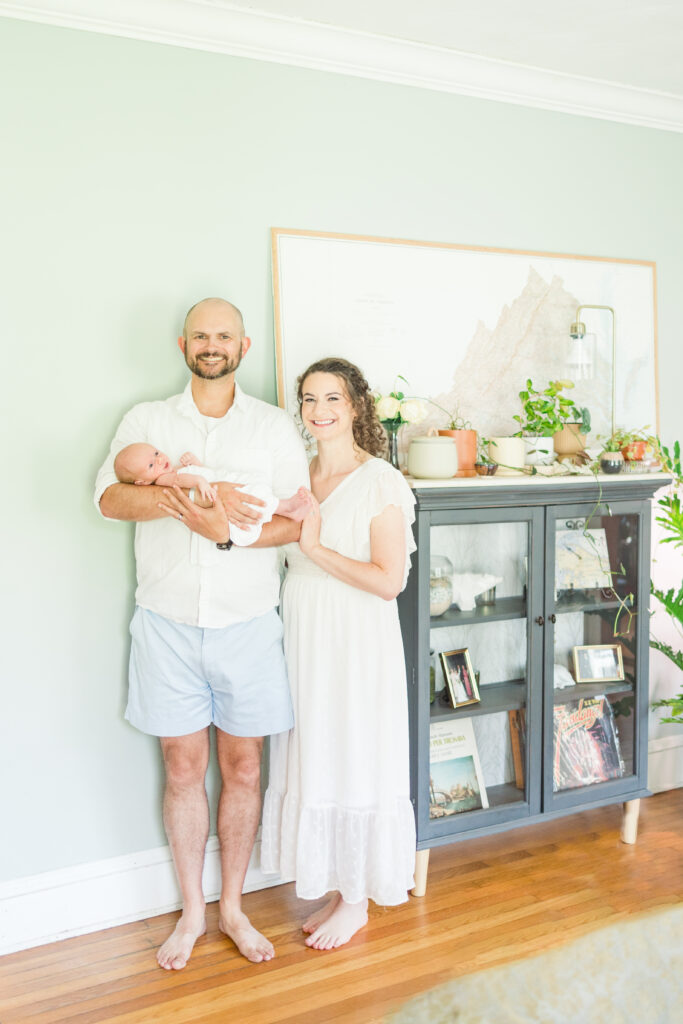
(395,408)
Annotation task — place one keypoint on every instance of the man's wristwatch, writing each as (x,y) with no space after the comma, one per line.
(224,547)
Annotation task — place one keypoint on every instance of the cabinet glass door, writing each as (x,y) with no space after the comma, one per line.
(477,703)
(592,661)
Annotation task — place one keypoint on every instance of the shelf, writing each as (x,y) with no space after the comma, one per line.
(583,690)
(585,603)
(495,697)
(506,793)
(504,608)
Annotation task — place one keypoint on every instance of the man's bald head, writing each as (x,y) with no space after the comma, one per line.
(213,304)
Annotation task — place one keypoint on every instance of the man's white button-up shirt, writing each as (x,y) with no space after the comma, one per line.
(188,580)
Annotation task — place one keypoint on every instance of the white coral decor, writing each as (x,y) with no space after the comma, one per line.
(413,410)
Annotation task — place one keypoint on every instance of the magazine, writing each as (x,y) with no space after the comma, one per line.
(456,782)
(586,744)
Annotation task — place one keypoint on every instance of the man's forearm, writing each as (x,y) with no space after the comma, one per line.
(132,503)
(278,531)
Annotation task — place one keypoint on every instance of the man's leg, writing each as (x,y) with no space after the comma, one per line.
(239,809)
(186,818)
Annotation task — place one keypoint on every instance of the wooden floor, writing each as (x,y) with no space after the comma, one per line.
(488,901)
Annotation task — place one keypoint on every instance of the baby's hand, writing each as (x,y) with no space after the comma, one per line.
(207,492)
(189,459)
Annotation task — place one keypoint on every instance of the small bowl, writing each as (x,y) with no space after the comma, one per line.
(485,468)
(486,597)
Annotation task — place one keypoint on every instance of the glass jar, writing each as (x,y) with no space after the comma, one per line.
(440,585)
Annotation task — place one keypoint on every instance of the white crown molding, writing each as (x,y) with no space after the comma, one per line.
(222,27)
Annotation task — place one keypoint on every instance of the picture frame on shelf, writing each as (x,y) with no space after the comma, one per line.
(597,663)
(461,682)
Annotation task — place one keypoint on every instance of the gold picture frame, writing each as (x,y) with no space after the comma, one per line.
(598,663)
(461,682)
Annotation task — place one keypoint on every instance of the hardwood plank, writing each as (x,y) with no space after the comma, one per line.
(489,901)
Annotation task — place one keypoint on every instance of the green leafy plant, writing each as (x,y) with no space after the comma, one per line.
(483,451)
(671,521)
(546,412)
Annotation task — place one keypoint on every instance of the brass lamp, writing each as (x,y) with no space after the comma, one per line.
(578,330)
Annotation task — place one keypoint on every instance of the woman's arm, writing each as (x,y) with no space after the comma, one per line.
(383,574)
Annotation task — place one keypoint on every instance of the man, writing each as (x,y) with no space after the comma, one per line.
(206,639)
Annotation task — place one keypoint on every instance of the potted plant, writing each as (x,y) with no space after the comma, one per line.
(544,414)
(465,438)
(611,459)
(637,445)
(671,520)
(570,442)
(484,466)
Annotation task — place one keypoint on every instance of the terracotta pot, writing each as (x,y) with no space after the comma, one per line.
(569,442)
(635,451)
(466,443)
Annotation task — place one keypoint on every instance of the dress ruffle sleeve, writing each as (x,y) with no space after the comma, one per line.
(389,487)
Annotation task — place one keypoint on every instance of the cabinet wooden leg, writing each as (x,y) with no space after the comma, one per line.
(421,868)
(629,823)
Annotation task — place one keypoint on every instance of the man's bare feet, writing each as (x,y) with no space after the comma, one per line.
(175,952)
(251,944)
(317,918)
(340,926)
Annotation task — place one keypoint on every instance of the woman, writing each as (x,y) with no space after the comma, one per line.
(337,813)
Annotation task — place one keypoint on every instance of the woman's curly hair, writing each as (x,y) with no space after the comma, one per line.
(368,432)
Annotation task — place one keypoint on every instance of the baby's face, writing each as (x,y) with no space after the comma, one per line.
(147,463)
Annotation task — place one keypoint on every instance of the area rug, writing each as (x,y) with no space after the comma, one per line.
(628,973)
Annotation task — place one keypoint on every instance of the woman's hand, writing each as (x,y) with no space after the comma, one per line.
(211,522)
(310,527)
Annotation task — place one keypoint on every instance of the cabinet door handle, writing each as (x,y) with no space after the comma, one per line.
(553,618)
(540,620)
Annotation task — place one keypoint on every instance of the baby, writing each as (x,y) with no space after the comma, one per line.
(144,464)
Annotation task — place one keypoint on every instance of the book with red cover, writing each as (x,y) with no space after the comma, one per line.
(586,744)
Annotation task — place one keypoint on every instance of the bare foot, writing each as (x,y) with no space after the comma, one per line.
(295,507)
(251,944)
(175,952)
(316,919)
(341,925)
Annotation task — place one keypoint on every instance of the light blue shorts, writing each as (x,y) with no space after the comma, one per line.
(182,678)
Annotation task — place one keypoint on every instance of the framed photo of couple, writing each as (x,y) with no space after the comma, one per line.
(460,679)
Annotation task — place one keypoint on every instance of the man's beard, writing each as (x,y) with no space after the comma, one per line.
(213,371)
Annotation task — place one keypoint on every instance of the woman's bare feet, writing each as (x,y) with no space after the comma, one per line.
(340,926)
(317,918)
(176,951)
(251,944)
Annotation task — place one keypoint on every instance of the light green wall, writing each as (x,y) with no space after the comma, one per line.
(137,178)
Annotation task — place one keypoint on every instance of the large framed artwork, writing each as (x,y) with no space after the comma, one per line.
(466,325)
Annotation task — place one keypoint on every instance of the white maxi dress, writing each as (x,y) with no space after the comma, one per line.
(337,813)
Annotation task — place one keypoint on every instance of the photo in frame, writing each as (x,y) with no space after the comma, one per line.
(596,663)
(461,682)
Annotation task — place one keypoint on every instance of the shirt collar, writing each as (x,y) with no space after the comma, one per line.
(187,406)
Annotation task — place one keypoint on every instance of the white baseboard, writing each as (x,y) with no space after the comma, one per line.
(665,763)
(89,897)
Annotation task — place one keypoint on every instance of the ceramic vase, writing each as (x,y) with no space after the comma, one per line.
(508,452)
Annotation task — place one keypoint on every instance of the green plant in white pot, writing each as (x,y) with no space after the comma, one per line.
(544,414)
